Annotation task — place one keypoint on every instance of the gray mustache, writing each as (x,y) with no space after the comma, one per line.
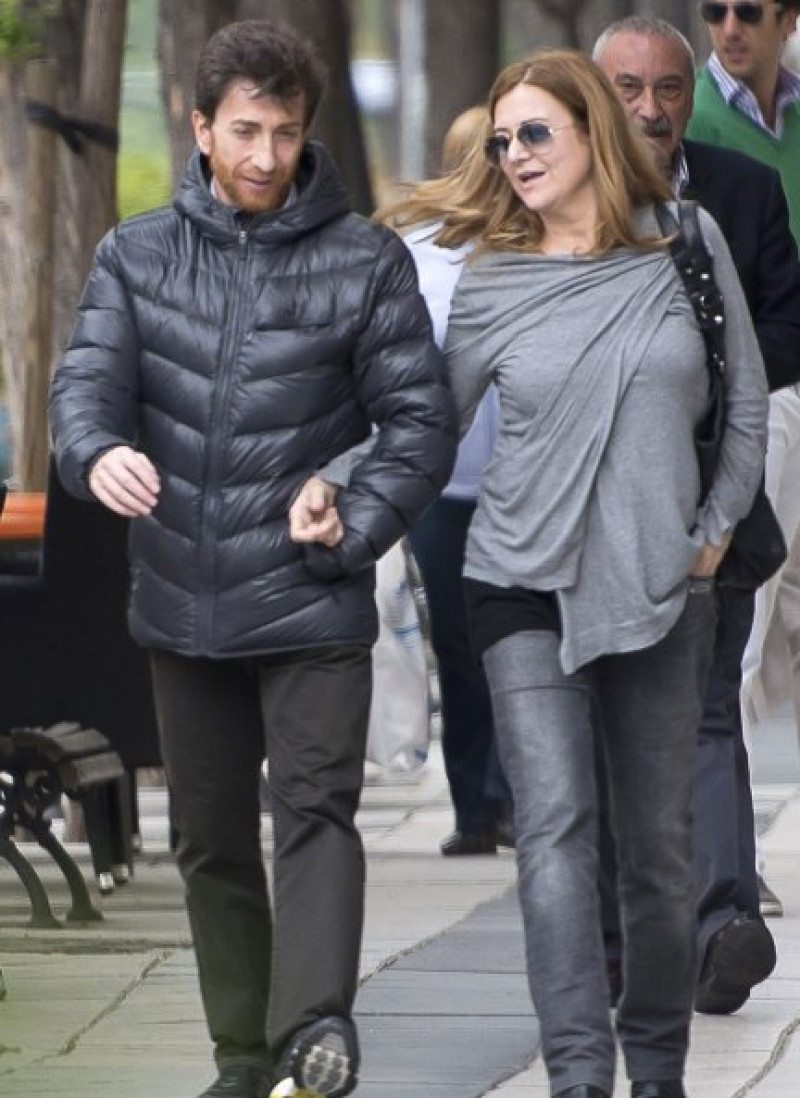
(659,127)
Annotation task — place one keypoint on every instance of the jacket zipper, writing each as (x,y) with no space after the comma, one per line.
(221,393)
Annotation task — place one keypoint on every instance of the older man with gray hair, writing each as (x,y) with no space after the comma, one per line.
(651,65)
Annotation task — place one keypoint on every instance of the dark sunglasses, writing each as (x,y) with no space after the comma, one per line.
(533,135)
(752,14)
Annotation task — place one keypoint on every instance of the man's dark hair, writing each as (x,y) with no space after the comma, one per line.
(272,56)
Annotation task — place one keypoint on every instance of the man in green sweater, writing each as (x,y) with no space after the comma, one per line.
(746,99)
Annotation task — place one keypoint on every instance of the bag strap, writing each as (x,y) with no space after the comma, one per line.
(695,265)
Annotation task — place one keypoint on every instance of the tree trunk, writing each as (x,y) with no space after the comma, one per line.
(41,86)
(568,14)
(183,28)
(93,175)
(543,24)
(13,154)
(677,12)
(455,31)
(86,37)
(327,24)
(596,17)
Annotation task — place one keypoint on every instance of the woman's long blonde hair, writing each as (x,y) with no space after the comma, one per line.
(475,202)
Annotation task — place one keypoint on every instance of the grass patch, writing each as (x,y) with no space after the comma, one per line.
(143,181)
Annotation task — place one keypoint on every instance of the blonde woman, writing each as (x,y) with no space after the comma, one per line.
(590,561)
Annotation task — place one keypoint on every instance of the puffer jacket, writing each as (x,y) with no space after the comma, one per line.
(241,354)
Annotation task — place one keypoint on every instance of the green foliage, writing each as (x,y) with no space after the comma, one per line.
(140,36)
(19,31)
(143,181)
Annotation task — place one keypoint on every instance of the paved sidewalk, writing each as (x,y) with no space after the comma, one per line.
(112,1008)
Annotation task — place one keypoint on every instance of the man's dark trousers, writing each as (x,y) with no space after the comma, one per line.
(262,977)
(477,785)
(724,825)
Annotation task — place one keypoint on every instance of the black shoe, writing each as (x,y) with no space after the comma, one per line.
(659,1088)
(585,1090)
(469,842)
(323,1058)
(739,956)
(237,1081)
(505,834)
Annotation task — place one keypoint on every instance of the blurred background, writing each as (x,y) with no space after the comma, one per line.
(95,99)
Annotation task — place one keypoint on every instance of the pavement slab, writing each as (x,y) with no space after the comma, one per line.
(113,1008)
(448,1011)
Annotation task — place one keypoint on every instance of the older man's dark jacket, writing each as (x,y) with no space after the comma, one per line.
(746,199)
(240,354)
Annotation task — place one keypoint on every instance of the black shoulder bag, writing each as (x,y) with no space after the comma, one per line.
(758,548)
(696,268)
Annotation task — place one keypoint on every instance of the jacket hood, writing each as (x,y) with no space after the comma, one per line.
(321,198)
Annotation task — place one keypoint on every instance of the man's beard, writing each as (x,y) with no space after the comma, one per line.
(273,198)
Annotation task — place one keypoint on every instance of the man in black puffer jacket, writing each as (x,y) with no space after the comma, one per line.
(226,349)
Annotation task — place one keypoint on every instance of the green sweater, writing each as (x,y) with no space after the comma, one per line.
(714,122)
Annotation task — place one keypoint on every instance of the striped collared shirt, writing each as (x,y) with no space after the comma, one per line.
(738,96)
(680,172)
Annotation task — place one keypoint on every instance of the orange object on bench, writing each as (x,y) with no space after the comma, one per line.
(22,517)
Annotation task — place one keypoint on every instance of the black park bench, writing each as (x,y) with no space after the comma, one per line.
(37,766)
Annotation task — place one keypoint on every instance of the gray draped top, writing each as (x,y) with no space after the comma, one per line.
(592,488)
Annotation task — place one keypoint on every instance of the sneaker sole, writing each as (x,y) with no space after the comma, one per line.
(324,1061)
(741,959)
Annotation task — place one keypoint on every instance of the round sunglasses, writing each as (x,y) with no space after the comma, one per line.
(752,14)
(532,135)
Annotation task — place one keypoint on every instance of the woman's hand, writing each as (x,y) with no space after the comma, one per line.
(709,558)
(313,517)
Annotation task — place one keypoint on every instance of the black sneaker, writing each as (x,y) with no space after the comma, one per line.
(236,1081)
(323,1059)
(739,956)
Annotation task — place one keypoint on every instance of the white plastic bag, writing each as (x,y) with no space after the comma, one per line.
(399,723)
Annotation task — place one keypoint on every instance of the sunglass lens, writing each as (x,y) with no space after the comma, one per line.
(713,13)
(496,148)
(745,13)
(749,13)
(534,133)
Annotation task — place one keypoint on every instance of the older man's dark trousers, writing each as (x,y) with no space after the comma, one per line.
(265,974)
(724,824)
(723,831)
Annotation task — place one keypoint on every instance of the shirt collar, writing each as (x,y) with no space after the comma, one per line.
(680,172)
(739,97)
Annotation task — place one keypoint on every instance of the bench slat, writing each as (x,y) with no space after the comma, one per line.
(78,774)
(61,742)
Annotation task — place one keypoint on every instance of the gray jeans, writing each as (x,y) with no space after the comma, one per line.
(649,704)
